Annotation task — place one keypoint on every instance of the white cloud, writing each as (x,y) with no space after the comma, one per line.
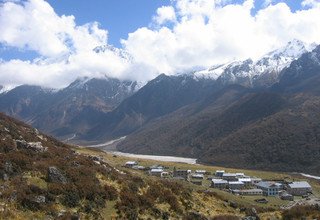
(207,33)
(187,35)
(310,3)
(165,14)
(35,26)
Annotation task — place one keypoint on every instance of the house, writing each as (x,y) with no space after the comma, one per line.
(240,174)
(156,172)
(248,192)
(156,166)
(219,183)
(255,180)
(299,188)
(246,180)
(180,173)
(229,176)
(197,176)
(203,172)
(137,167)
(235,185)
(130,164)
(286,196)
(269,188)
(219,173)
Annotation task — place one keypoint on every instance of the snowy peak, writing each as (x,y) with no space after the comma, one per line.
(116,51)
(262,72)
(293,49)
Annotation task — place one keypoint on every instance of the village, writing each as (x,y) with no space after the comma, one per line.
(235,183)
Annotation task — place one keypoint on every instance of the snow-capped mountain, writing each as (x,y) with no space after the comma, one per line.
(116,51)
(262,72)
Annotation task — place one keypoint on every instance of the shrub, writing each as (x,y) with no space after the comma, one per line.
(71,197)
(111,193)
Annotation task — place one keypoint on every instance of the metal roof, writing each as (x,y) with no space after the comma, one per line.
(235,183)
(131,162)
(156,170)
(229,174)
(268,184)
(302,184)
(217,181)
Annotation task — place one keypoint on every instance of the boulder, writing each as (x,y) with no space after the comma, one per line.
(8,168)
(56,176)
(40,199)
(35,146)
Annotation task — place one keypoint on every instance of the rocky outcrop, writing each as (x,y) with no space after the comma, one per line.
(35,146)
(56,176)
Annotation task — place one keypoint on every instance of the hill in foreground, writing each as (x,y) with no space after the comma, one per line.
(42,178)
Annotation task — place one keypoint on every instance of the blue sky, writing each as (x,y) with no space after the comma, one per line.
(51,42)
(119,17)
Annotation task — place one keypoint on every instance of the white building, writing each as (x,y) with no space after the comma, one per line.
(130,164)
(197,176)
(203,172)
(235,185)
(156,172)
(219,183)
(248,192)
(247,181)
(299,188)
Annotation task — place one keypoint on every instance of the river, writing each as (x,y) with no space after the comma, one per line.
(110,147)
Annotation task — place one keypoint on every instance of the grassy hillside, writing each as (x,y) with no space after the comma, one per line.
(42,178)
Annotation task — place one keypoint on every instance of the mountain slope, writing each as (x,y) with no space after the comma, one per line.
(69,111)
(159,97)
(272,129)
(42,178)
(261,73)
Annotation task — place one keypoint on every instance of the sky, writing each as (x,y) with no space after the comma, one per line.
(50,43)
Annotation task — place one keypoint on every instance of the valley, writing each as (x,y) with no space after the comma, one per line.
(160,110)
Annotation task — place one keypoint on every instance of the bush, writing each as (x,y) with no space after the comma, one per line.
(71,197)
(299,212)
(111,193)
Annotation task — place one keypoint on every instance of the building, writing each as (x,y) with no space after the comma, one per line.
(269,188)
(156,172)
(180,173)
(197,176)
(130,164)
(240,174)
(219,183)
(255,180)
(137,167)
(229,176)
(248,192)
(235,185)
(219,173)
(246,180)
(299,188)
(156,166)
(203,172)
(286,196)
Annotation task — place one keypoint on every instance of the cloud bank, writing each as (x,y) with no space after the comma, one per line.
(184,36)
